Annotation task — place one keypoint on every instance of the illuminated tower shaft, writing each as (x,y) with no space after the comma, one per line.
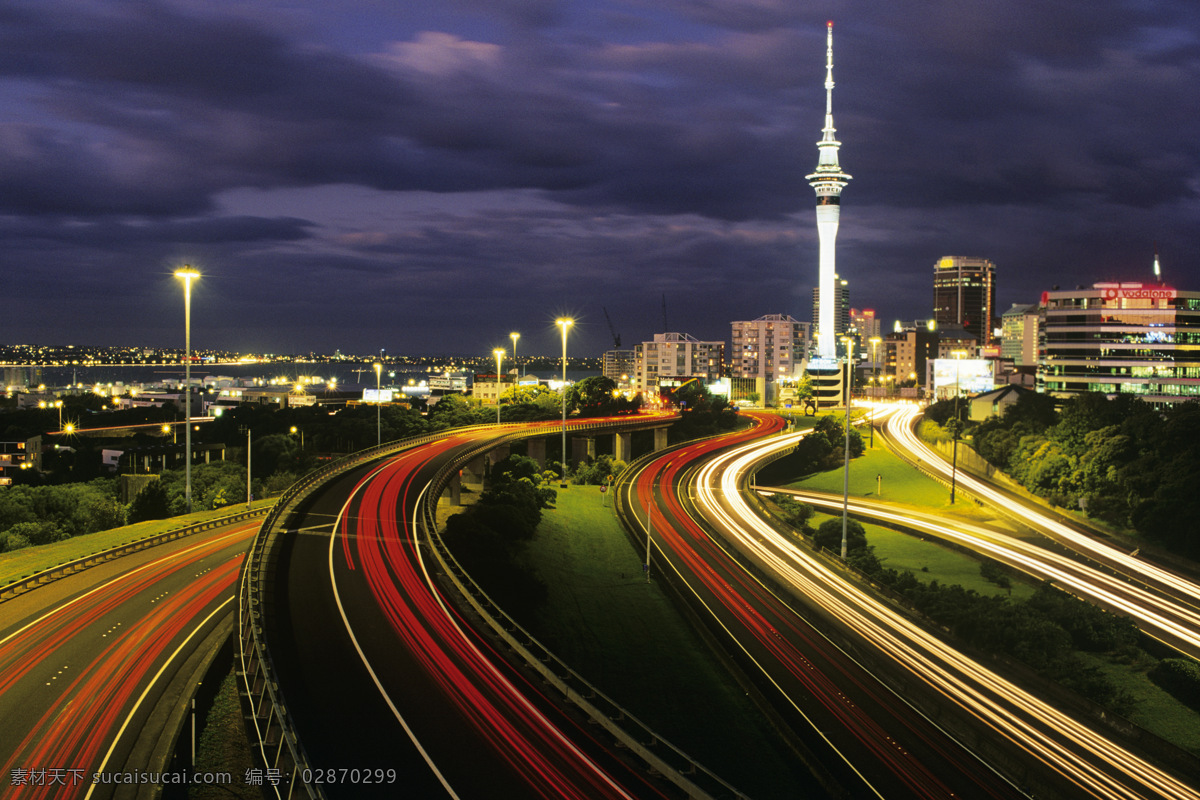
(827,181)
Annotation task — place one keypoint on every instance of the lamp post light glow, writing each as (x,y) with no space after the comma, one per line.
(514,336)
(378,426)
(564,323)
(499,354)
(188,274)
(849,342)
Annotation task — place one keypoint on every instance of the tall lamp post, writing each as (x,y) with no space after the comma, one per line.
(188,274)
(958,357)
(514,336)
(564,323)
(875,341)
(499,354)
(378,427)
(849,342)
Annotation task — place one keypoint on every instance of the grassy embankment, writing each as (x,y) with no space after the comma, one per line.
(30,560)
(1156,710)
(627,637)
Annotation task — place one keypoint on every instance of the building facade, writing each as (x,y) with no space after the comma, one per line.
(676,355)
(772,347)
(840,312)
(1121,338)
(964,293)
(1019,335)
(619,366)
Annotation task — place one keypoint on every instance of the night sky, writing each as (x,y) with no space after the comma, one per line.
(426,177)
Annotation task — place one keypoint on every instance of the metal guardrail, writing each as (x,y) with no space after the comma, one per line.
(278,743)
(51,574)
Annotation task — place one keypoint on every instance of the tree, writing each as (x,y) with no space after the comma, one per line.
(829,535)
(150,503)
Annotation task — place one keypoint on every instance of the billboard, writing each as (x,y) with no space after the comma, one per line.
(969,375)
(380,396)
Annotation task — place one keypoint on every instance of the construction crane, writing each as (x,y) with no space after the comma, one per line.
(616,336)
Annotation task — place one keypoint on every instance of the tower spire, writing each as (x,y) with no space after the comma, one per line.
(827,181)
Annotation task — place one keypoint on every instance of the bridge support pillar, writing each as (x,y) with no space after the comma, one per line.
(660,439)
(498,454)
(472,472)
(582,448)
(623,447)
(455,488)
(536,449)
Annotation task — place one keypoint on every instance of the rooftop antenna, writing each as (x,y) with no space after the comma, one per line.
(1157,268)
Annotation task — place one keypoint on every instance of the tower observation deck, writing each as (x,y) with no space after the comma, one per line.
(827,181)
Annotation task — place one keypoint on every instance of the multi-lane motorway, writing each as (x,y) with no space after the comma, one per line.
(96,667)
(381,671)
(1028,741)
(396,691)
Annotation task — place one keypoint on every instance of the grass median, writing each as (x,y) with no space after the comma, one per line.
(628,638)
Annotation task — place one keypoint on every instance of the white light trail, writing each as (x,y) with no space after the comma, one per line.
(1093,763)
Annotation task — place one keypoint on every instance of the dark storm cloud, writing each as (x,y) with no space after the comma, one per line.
(665,145)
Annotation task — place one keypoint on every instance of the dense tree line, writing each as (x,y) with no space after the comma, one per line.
(1120,460)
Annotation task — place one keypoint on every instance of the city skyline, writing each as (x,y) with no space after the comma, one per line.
(431,179)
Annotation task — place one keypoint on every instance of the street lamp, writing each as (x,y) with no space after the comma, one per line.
(875,341)
(849,342)
(249,494)
(499,354)
(564,323)
(378,427)
(514,336)
(188,274)
(958,357)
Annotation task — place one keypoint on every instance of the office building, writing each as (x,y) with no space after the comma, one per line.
(840,311)
(1019,335)
(1121,338)
(964,293)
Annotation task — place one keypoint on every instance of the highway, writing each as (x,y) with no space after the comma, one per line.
(96,668)
(1165,604)
(865,739)
(1052,753)
(381,670)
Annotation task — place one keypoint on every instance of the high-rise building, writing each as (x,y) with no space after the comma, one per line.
(827,181)
(864,327)
(840,310)
(1121,338)
(676,355)
(771,347)
(1019,335)
(964,293)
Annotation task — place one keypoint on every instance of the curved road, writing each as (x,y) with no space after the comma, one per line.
(381,671)
(1047,748)
(868,740)
(95,668)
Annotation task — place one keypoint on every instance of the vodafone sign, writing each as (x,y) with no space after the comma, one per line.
(1136,291)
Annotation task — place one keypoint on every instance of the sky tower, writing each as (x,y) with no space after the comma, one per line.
(827,181)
